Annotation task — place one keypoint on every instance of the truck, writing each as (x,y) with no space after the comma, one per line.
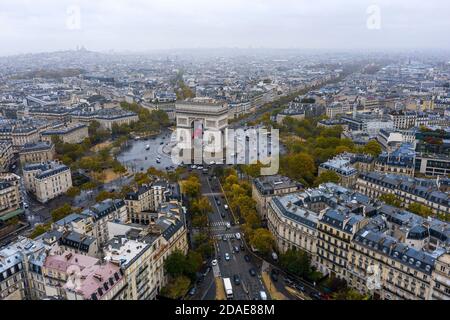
(228,288)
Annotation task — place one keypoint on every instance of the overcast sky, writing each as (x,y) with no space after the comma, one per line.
(141,25)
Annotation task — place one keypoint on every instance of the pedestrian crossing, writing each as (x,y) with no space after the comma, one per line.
(227,236)
(218,224)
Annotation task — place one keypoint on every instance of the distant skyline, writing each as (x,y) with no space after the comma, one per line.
(29,26)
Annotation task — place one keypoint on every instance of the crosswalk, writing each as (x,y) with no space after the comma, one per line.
(227,236)
(218,224)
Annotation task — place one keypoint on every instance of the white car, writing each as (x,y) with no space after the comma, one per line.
(214,262)
(228,225)
(212,162)
(25,205)
(238,236)
(200,167)
(227,256)
(193,166)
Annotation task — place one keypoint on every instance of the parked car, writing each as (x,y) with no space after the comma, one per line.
(238,236)
(208,269)
(214,262)
(274,276)
(193,291)
(300,287)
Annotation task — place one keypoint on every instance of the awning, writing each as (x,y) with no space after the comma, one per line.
(11,214)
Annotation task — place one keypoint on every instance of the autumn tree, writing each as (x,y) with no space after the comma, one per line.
(263,240)
(327,176)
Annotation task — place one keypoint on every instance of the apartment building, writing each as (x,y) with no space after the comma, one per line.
(141,250)
(266,187)
(95,219)
(20,270)
(6,155)
(10,196)
(292,224)
(47,180)
(146,199)
(337,108)
(23,134)
(342,167)
(408,190)
(37,152)
(400,161)
(335,232)
(99,282)
(67,133)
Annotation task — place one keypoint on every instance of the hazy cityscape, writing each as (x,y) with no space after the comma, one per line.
(225,170)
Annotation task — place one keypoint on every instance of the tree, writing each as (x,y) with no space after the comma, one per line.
(40,229)
(348,294)
(103,195)
(193,263)
(61,212)
(175,264)
(177,287)
(373,148)
(73,192)
(141,178)
(420,209)
(191,186)
(299,166)
(296,262)
(262,240)
(391,200)
(327,176)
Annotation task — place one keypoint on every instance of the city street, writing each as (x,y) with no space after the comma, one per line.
(225,242)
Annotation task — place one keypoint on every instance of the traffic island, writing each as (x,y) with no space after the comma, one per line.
(220,291)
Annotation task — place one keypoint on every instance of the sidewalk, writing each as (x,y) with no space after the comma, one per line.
(273,292)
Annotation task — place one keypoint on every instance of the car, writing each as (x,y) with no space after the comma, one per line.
(227,256)
(200,167)
(25,205)
(236,249)
(214,262)
(242,247)
(224,238)
(247,258)
(218,202)
(252,272)
(193,291)
(236,279)
(222,214)
(193,166)
(300,287)
(274,277)
(238,236)
(208,269)
(228,225)
(288,282)
(212,163)
(225,206)
(316,296)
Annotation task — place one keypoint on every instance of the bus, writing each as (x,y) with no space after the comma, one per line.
(228,288)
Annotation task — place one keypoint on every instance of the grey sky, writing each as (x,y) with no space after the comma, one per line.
(140,25)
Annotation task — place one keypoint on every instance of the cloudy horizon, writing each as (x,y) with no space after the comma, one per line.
(29,26)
